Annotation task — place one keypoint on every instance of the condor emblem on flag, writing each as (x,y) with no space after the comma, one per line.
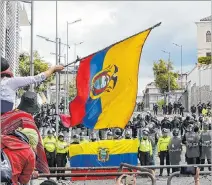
(103,154)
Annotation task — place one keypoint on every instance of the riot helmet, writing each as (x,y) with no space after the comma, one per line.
(93,137)
(82,136)
(148,112)
(190,128)
(164,132)
(187,117)
(127,135)
(61,136)
(145,133)
(50,133)
(76,138)
(117,133)
(175,132)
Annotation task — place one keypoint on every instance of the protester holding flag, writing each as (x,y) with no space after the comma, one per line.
(9,83)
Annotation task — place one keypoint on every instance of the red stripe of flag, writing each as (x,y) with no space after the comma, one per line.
(77,106)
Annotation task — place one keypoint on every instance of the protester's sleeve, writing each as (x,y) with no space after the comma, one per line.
(29,167)
(18,82)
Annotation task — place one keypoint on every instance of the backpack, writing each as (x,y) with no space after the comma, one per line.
(5,169)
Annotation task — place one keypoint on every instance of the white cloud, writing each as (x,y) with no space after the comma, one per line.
(104,23)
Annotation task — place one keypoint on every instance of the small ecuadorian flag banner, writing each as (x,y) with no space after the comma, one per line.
(107,83)
(104,153)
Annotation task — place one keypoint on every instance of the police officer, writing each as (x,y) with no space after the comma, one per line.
(118,134)
(175,123)
(165,123)
(93,137)
(191,140)
(61,153)
(199,108)
(153,136)
(163,152)
(127,135)
(205,143)
(134,127)
(181,108)
(109,135)
(186,122)
(145,149)
(49,143)
(82,138)
(175,108)
(201,121)
(76,139)
(155,109)
(175,149)
(148,117)
(193,109)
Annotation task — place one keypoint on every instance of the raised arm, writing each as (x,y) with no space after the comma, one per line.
(18,82)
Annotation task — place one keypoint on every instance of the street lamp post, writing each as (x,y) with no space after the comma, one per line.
(168,67)
(75,48)
(57,76)
(32,42)
(211,47)
(181,62)
(67,83)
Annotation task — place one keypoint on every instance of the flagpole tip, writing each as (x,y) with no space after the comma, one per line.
(157,25)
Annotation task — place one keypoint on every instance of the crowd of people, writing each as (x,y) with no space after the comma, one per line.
(24,148)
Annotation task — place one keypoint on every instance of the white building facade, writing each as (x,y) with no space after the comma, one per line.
(199,84)
(204,37)
(12,17)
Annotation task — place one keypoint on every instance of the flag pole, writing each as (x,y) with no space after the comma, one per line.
(78,59)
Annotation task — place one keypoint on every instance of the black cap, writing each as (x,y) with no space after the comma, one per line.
(29,102)
(4,64)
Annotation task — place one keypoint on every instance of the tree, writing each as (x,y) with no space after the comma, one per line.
(72,89)
(204,60)
(161,74)
(39,66)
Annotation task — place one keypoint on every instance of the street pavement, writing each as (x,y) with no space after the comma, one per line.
(204,180)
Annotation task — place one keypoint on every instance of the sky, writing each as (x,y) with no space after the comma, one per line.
(104,23)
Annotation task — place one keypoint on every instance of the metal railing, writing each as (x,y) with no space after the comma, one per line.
(180,175)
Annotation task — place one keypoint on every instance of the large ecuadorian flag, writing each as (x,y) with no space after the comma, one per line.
(107,84)
(104,153)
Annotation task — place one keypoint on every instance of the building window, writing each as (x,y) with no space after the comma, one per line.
(208,36)
(208,54)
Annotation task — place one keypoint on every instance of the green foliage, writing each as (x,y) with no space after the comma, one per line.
(72,89)
(204,60)
(160,103)
(162,73)
(39,66)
